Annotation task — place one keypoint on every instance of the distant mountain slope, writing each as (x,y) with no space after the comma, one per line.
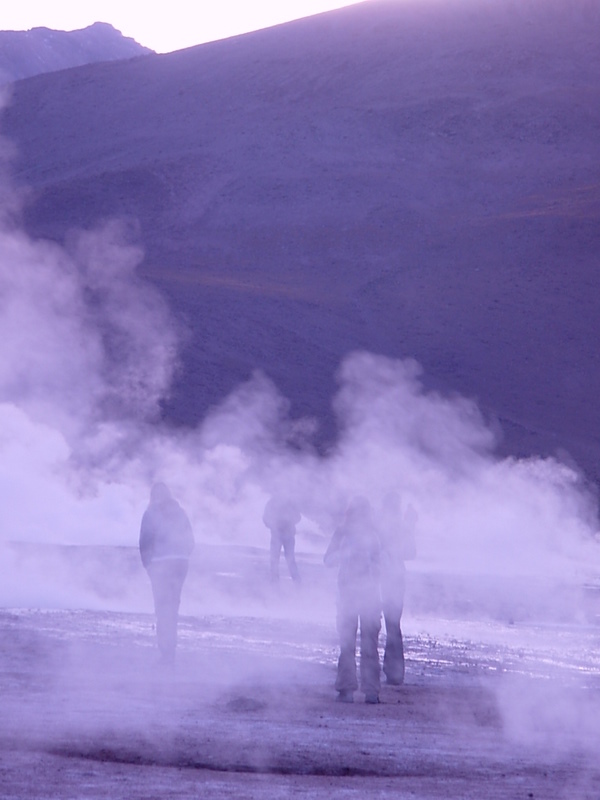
(27,53)
(414,178)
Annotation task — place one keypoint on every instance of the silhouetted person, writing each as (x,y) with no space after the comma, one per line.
(354,549)
(281,517)
(166,543)
(397,539)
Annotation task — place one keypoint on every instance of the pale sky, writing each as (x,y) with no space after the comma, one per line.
(162,26)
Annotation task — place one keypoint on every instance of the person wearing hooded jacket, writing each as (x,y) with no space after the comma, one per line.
(354,549)
(166,543)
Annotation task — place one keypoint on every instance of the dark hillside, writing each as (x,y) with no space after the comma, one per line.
(27,53)
(417,179)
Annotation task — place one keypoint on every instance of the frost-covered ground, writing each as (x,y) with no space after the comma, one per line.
(490,708)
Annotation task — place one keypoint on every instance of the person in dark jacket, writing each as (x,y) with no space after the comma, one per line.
(281,516)
(397,541)
(166,543)
(354,549)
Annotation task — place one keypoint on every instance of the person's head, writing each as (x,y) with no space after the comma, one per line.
(392,503)
(359,509)
(159,493)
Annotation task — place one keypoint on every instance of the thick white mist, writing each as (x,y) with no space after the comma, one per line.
(88,349)
(477,512)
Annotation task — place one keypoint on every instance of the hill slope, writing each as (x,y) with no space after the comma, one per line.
(417,179)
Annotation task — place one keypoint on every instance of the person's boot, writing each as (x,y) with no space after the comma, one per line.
(394,680)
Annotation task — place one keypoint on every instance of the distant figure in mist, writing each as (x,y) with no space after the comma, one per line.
(354,549)
(166,543)
(281,516)
(397,541)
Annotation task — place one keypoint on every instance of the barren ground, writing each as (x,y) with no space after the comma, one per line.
(488,709)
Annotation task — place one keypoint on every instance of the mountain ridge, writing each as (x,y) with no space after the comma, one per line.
(24,54)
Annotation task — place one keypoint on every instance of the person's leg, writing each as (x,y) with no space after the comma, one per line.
(160,592)
(347,625)
(275,556)
(289,548)
(393,659)
(370,625)
(167,579)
